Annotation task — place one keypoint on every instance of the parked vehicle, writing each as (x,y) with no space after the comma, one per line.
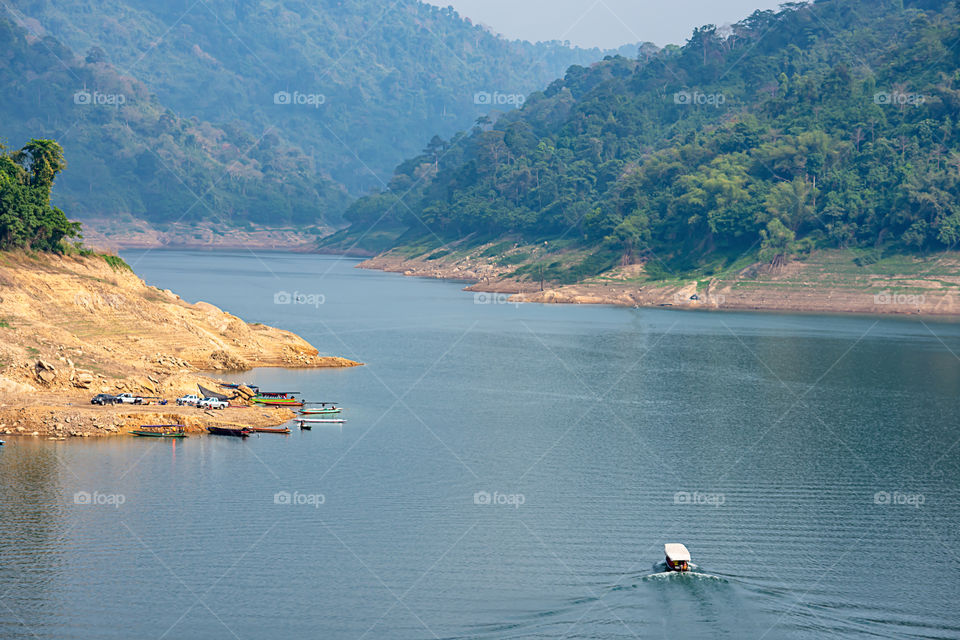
(129,398)
(190,400)
(213,403)
(104,399)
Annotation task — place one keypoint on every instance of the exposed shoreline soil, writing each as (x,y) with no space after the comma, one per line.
(72,327)
(826,282)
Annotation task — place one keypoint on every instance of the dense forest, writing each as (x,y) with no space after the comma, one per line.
(831,124)
(325,87)
(27,220)
(130,154)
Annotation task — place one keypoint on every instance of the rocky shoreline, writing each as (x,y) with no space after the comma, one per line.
(821,284)
(72,327)
(55,419)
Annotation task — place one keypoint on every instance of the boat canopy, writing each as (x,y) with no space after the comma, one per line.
(676,552)
(278,393)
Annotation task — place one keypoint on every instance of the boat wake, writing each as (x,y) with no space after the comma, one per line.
(687,575)
(662,573)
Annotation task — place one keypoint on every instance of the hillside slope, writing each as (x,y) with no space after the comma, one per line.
(357,86)
(829,125)
(71,327)
(88,315)
(131,156)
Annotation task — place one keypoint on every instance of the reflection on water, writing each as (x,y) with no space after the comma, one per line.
(786,452)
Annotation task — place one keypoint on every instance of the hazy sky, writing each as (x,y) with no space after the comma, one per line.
(604,23)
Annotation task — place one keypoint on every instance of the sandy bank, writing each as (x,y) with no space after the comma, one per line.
(73,327)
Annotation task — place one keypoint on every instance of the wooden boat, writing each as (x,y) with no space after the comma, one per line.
(322,411)
(321,420)
(237,385)
(278,399)
(293,402)
(208,393)
(270,429)
(239,432)
(678,558)
(160,431)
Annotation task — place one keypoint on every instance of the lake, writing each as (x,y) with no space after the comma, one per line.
(511,471)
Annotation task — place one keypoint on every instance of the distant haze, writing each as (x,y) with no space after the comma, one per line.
(603,23)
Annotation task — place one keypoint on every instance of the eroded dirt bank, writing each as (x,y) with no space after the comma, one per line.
(72,327)
(827,282)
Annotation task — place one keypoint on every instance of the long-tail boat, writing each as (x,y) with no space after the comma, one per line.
(271,429)
(239,432)
(320,420)
(320,411)
(278,399)
(209,393)
(160,431)
(237,385)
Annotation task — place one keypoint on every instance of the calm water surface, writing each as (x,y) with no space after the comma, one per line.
(809,463)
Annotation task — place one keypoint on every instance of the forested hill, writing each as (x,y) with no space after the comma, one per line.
(131,156)
(833,124)
(357,85)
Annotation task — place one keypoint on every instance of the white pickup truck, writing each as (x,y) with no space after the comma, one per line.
(129,398)
(190,400)
(213,403)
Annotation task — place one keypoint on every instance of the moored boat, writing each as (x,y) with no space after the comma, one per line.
(280,402)
(278,399)
(321,420)
(237,385)
(239,432)
(323,411)
(209,393)
(678,558)
(270,429)
(160,431)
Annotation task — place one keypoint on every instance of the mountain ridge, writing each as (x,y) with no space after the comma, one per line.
(349,88)
(814,127)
